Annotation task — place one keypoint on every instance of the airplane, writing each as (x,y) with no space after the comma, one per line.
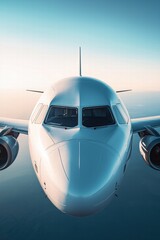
(80,141)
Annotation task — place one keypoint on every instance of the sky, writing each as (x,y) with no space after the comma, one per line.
(120,40)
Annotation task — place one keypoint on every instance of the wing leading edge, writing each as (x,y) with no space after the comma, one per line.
(140,124)
(17,125)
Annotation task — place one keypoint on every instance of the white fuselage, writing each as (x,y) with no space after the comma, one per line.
(80,167)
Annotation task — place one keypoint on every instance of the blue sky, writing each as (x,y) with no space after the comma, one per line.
(120,41)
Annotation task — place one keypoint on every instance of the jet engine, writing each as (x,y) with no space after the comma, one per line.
(150,150)
(8,151)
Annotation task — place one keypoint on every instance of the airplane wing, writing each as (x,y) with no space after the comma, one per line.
(140,124)
(17,125)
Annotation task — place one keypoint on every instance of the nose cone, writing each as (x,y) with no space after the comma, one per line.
(79,175)
(89,167)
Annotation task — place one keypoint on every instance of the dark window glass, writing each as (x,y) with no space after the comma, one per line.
(97,116)
(62,116)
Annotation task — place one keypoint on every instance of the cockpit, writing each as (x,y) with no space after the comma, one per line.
(68,116)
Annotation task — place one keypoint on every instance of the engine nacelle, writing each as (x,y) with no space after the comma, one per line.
(150,150)
(8,151)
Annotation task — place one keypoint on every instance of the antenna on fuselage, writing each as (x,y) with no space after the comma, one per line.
(80,63)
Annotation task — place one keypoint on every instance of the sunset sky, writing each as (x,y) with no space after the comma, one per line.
(120,42)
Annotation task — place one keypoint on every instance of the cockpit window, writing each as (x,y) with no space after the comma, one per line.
(97,116)
(121,114)
(62,116)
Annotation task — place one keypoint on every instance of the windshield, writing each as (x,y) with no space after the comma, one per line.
(97,116)
(62,116)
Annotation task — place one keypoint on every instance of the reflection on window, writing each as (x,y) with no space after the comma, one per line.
(62,116)
(121,114)
(36,112)
(97,116)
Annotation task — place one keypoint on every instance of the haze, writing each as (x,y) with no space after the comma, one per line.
(120,42)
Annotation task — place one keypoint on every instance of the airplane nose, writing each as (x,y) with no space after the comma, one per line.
(78,175)
(89,167)
(86,164)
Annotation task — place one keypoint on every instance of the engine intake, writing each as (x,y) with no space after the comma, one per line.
(8,151)
(150,150)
